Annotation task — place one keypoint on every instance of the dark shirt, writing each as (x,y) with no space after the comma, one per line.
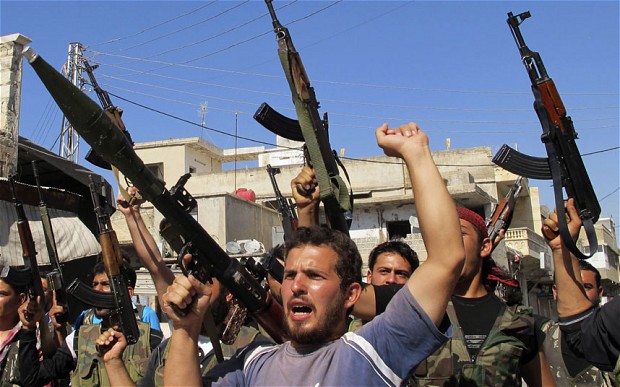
(383,295)
(476,318)
(595,334)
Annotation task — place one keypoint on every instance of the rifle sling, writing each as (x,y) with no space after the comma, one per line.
(123,188)
(209,324)
(588,224)
(556,173)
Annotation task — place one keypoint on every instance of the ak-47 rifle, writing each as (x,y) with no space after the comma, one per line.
(208,258)
(54,278)
(28,248)
(114,112)
(118,299)
(502,214)
(563,164)
(285,207)
(309,128)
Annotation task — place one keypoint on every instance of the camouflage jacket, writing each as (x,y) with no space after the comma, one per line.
(552,347)
(498,363)
(89,371)
(617,372)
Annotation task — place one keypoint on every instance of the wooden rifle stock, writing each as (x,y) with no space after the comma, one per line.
(123,314)
(28,249)
(563,163)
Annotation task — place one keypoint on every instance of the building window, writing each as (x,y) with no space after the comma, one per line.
(156,169)
(398,229)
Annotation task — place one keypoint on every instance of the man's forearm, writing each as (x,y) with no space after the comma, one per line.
(117,373)
(433,283)
(148,252)
(571,299)
(308,216)
(181,366)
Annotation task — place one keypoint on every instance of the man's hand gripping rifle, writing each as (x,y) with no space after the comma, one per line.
(285,207)
(208,258)
(54,278)
(337,200)
(118,300)
(563,164)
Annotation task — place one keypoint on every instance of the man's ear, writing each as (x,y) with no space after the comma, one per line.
(22,298)
(369,276)
(130,291)
(352,294)
(486,247)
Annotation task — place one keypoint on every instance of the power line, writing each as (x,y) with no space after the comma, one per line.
(187,27)
(609,194)
(225,48)
(601,151)
(213,36)
(292,148)
(333,114)
(155,26)
(354,84)
(344,102)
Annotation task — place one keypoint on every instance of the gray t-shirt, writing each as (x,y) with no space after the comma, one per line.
(383,352)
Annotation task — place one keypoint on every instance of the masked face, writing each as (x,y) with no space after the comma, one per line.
(101,283)
(314,305)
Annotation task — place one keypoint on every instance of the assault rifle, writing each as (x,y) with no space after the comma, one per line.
(118,299)
(309,128)
(28,249)
(563,164)
(54,278)
(502,214)
(208,258)
(114,112)
(285,207)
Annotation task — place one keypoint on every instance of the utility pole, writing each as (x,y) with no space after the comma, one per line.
(69,138)
(203,112)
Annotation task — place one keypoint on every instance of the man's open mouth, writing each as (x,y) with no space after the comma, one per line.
(301,310)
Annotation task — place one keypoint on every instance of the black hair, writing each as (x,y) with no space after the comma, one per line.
(396,247)
(17,277)
(128,273)
(349,264)
(586,266)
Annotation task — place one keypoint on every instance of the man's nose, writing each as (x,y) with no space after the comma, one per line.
(390,279)
(298,285)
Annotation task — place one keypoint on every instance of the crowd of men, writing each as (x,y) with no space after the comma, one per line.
(435,323)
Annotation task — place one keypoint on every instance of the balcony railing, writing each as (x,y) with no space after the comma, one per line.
(526,242)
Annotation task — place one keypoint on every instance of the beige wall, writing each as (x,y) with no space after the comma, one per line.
(11,47)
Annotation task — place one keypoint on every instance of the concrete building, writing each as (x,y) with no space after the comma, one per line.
(383,207)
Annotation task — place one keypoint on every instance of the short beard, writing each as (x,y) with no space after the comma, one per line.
(324,332)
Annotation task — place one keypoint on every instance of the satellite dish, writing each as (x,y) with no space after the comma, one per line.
(252,246)
(413,221)
(233,247)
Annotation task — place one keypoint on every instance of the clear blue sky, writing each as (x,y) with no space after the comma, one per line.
(453,67)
